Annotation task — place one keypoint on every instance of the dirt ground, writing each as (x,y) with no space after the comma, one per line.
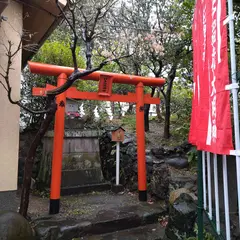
(91,205)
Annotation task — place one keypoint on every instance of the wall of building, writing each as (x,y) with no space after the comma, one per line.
(9,114)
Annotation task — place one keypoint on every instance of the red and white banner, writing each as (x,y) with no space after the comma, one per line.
(210,128)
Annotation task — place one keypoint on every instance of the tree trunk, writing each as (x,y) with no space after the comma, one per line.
(119,110)
(158,108)
(146,112)
(29,162)
(130,108)
(89,54)
(166,133)
(113,108)
(171,77)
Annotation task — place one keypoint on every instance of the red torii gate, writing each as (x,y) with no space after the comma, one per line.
(104,94)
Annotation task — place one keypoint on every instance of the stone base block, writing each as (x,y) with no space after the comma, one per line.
(117,188)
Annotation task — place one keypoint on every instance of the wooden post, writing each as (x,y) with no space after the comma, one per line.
(142,177)
(58,149)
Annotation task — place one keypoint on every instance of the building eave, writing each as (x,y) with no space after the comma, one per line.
(40,18)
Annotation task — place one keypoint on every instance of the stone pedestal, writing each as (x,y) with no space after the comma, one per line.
(81,161)
(117,188)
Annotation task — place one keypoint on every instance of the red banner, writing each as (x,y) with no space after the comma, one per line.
(210,128)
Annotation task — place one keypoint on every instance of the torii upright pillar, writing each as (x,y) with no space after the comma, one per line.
(56,176)
(142,176)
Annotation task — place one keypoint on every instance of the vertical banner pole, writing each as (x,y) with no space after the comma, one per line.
(204,180)
(57,149)
(117,162)
(200,196)
(209,186)
(226,203)
(216,193)
(235,97)
(142,177)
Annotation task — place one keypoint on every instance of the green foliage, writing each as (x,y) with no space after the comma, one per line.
(181,103)
(129,121)
(52,52)
(206,235)
(58,53)
(192,156)
(43,194)
(181,131)
(181,106)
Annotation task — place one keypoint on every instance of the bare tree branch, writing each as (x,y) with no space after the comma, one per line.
(78,75)
(73,27)
(3,83)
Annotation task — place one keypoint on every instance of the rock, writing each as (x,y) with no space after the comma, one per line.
(190,186)
(149,159)
(158,161)
(127,139)
(178,163)
(194,189)
(173,152)
(174,195)
(132,151)
(194,197)
(158,152)
(182,217)
(13,226)
(180,180)
(160,181)
(148,152)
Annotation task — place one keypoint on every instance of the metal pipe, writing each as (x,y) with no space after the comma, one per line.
(235,97)
(209,186)
(216,193)
(117,162)
(226,203)
(200,196)
(204,180)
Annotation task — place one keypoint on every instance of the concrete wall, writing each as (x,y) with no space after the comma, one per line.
(9,114)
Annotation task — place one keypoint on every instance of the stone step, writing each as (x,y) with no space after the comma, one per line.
(103,214)
(149,232)
(98,187)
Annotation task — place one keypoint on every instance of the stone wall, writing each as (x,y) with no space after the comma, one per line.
(81,159)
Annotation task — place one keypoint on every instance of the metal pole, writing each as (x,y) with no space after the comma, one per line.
(235,97)
(209,186)
(204,180)
(200,197)
(226,203)
(216,193)
(117,162)
(57,149)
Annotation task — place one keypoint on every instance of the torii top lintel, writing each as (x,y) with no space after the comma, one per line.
(54,70)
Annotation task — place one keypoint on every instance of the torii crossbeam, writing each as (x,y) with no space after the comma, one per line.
(104,94)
